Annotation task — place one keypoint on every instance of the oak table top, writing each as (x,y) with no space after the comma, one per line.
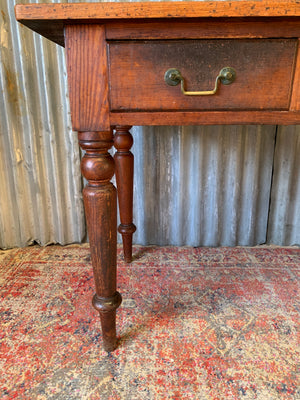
(49,19)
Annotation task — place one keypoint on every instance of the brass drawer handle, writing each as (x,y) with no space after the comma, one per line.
(226,76)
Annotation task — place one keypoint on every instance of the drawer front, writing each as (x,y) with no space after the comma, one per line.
(264,74)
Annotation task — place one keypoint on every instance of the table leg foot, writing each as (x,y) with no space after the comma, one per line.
(124,161)
(127,232)
(107,309)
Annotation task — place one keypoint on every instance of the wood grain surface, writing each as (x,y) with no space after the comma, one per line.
(124,162)
(206,118)
(87,77)
(135,10)
(100,203)
(264,72)
(49,19)
(204,28)
(295,100)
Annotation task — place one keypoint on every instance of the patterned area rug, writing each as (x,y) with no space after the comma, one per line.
(195,323)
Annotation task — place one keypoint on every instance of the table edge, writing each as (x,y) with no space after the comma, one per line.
(148,10)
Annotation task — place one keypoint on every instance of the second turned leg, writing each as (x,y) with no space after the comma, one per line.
(124,176)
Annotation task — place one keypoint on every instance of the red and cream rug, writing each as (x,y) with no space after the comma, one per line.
(195,323)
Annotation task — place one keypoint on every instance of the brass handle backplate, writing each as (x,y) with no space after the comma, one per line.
(226,76)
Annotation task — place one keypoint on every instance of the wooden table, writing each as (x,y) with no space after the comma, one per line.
(167,63)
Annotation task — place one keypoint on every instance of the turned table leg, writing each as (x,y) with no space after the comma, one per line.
(100,203)
(124,176)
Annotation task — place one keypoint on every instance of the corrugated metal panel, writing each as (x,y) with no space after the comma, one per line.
(40,182)
(284,224)
(203,185)
(193,185)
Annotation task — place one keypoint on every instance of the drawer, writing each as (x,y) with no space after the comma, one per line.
(264,74)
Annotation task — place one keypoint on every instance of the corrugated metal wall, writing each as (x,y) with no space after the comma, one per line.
(284,221)
(217,185)
(40,196)
(203,185)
